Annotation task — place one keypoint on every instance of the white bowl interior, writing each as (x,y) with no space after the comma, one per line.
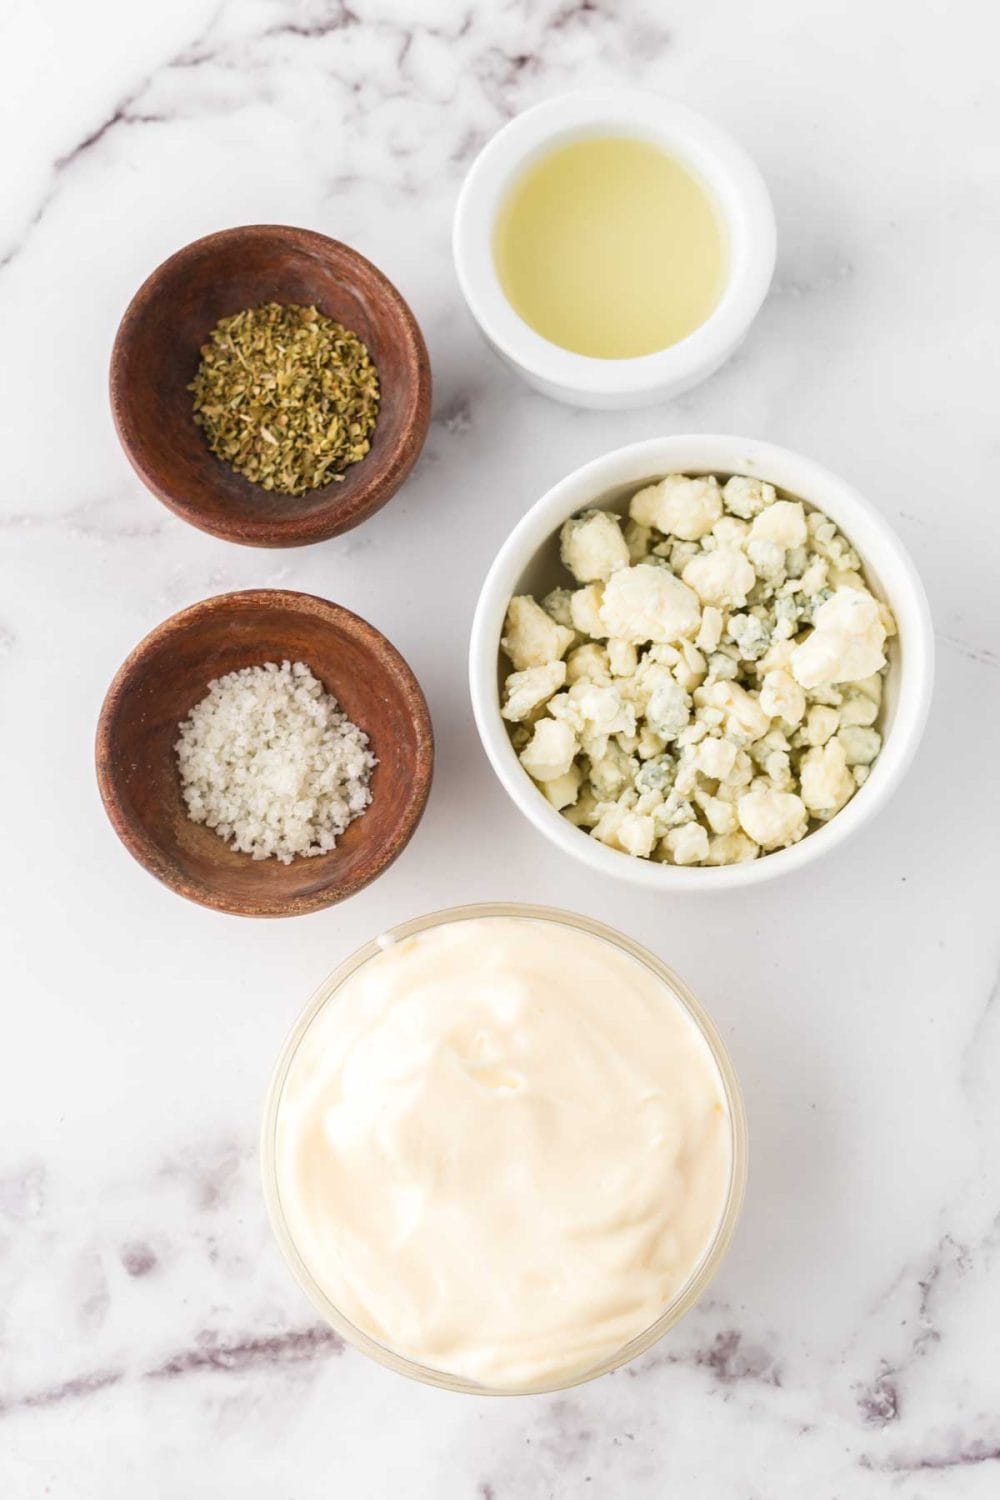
(732,180)
(529,563)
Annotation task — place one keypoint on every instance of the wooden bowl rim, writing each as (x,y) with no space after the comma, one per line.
(337,514)
(147,852)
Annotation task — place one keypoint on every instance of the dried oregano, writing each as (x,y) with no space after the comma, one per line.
(286,396)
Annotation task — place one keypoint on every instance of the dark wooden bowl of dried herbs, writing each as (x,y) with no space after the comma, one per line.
(270,386)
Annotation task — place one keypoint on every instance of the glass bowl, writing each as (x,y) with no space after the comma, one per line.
(701,1275)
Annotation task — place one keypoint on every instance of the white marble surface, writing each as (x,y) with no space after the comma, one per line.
(151,1342)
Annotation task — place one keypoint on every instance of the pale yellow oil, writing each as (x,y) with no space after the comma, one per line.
(611,248)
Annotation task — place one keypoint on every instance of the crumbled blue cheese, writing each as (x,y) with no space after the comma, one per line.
(783,522)
(771,818)
(687,845)
(623,659)
(821,724)
(746,497)
(644,603)
(781,697)
(723,577)
(588,663)
(668,709)
(585,611)
(751,635)
(713,623)
(861,746)
(826,781)
(525,691)
(556,604)
(551,750)
(846,643)
(592,546)
(679,506)
(707,690)
(562,791)
(532,638)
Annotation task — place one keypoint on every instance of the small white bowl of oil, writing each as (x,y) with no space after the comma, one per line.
(613,246)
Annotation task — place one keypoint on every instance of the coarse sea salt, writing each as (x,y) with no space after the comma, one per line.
(270,761)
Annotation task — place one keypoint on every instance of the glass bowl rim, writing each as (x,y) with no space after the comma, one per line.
(703,1272)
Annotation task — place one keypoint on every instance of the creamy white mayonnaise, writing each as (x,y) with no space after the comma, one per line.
(502,1149)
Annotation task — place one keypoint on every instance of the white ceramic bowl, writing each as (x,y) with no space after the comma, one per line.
(528,562)
(723,166)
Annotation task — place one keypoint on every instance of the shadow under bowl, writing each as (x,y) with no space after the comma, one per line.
(156,355)
(169,672)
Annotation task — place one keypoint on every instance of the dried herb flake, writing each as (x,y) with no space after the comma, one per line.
(286,396)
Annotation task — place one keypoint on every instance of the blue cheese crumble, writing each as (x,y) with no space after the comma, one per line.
(706,687)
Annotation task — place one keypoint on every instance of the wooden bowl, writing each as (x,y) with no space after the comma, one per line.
(156,355)
(169,672)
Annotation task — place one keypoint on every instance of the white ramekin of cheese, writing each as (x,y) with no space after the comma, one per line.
(529,564)
(504,1149)
(616,245)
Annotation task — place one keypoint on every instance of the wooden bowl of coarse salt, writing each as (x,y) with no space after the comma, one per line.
(265,753)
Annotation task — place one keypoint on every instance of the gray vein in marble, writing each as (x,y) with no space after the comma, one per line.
(335,17)
(123,113)
(972,1055)
(85,520)
(68,1390)
(968,1453)
(818,285)
(879,1400)
(878,1403)
(455,416)
(213,1176)
(728,1358)
(570,1433)
(981,654)
(22,1196)
(293,1346)
(92,1294)
(138,1258)
(500,73)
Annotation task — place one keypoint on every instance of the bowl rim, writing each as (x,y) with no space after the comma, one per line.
(715,158)
(715,1251)
(148,852)
(327,520)
(639,463)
